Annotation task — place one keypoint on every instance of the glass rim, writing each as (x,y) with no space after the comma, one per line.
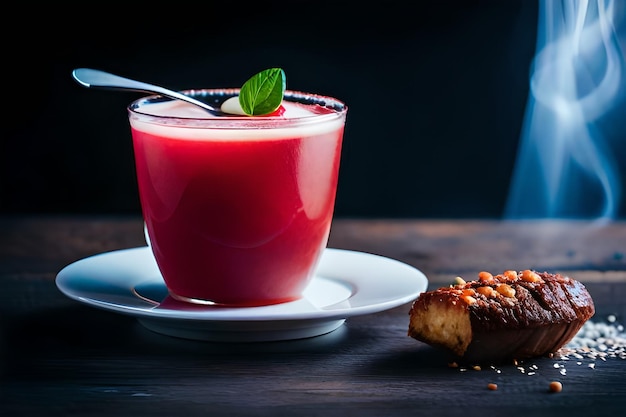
(338,107)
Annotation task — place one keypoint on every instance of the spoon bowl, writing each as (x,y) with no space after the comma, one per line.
(92,78)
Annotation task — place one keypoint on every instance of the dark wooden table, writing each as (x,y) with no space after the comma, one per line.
(60,357)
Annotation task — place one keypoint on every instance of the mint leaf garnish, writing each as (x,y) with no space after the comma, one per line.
(263,93)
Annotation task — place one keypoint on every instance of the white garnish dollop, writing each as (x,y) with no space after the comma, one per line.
(232,106)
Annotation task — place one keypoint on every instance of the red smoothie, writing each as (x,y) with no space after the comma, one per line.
(238,213)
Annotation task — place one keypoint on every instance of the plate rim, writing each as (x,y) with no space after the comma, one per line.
(152,313)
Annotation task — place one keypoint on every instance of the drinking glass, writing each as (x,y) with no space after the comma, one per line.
(237,209)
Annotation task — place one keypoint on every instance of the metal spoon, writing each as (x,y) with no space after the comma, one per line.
(96,78)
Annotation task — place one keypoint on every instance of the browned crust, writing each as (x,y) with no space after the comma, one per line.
(514,315)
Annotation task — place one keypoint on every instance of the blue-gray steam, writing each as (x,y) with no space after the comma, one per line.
(572,150)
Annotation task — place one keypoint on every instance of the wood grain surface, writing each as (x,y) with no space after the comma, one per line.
(59,357)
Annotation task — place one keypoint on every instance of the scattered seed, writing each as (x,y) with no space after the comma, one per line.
(555,386)
(597,340)
(492,386)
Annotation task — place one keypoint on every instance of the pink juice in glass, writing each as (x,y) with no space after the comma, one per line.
(238,209)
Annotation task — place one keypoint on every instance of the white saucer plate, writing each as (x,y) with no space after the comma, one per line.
(347,284)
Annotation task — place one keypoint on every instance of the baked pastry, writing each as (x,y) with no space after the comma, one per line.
(510,316)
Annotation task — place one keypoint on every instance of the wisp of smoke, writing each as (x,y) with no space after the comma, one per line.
(568,165)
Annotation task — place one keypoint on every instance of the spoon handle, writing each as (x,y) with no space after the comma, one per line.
(95,78)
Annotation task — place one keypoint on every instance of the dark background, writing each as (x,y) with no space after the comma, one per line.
(436,93)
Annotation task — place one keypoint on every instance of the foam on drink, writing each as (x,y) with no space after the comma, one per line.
(305,119)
